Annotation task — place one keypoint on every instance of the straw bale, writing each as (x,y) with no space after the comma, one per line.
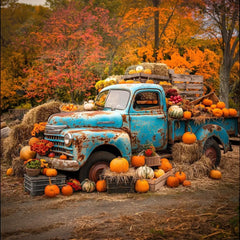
(18,167)
(186,153)
(198,169)
(160,69)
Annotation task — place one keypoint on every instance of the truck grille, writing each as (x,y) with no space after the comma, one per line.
(59,146)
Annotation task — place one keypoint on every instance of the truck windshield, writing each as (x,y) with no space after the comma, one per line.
(117,99)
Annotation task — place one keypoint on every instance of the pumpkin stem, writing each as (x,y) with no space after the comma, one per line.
(50,182)
(190,128)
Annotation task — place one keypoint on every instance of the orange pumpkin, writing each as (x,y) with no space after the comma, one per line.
(119,165)
(232,112)
(26,153)
(225,112)
(141,185)
(51,172)
(51,190)
(207,102)
(122,81)
(189,138)
(164,160)
(217,112)
(187,115)
(213,106)
(130,81)
(181,176)
(101,185)
(165,166)
(158,173)
(63,157)
(33,140)
(132,71)
(172,181)
(220,105)
(147,71)
(215,174)
(149,81)
(44,171)
(138,161)
(186,183)
(67,190)
(9,172)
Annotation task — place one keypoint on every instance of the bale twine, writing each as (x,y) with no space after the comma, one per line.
(198,169)
(186,153)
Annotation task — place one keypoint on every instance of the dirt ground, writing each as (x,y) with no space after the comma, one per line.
(209,209)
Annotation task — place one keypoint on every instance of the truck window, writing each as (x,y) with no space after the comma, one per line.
(101,98)
(146,101)
(117,99)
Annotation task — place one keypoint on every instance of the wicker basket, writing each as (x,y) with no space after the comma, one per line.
(153,161)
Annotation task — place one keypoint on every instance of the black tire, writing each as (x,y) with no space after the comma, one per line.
(96,163)
(212,150)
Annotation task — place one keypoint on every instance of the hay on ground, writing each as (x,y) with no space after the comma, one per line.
(186,153)
(198,169)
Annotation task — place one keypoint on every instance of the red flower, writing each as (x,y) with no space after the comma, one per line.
(148,152)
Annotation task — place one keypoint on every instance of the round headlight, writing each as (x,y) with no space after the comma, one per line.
(68,139)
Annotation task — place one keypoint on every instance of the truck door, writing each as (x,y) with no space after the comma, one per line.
(148,122)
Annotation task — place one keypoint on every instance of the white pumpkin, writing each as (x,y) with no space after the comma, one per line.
(89,105)
(175,112)
(139,68)
(144,172)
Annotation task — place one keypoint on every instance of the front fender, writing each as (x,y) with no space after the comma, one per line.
(86,140)
(213,130)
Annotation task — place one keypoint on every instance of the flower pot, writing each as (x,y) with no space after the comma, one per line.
(32,172)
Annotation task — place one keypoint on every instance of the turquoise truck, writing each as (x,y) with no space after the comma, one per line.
(128,117)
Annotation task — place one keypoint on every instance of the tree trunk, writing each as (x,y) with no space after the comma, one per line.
(224,84)
(156,29)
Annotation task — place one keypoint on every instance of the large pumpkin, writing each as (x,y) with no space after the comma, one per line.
(189,138)
(138,161)
(144,172)
(141,185)
(26,153)
(175,112)
(119,165)
(217,112)
(88,185)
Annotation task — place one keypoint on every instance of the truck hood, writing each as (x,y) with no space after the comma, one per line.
(87,119)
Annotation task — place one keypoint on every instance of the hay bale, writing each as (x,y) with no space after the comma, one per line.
(198,169)
(160,69)
(21,133)
(18,167)
(186,153)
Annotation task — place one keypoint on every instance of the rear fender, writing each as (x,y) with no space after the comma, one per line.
(215,131)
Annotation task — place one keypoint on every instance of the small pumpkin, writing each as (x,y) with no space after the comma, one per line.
(145,172)
(220,105)
(44,170)
(67,190)
(101,185)
(141,185)
(119,165)
(186,183)
(132,71)
(215,174)
(165,166)
(149,81)
(51,190)
(158,173)
(175,112)
(26,153)
(33,140)
(63,157)
(213,106)
(10,172)
(189,138)
(187,115)
(147,71)
(217,112)
(51,172)
(138,161)
(232,112)
(207,102)
(172,181)
(181,176)
(225,112)
(88,185)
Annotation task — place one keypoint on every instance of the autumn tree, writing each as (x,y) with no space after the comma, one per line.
(223,24)
(71,50)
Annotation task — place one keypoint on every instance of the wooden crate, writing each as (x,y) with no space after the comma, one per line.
(142,77)
(212,96)
(155,185)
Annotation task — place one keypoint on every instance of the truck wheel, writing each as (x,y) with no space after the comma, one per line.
(94,166)
(212,150)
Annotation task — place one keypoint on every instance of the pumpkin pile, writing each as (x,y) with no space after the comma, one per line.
(68,107)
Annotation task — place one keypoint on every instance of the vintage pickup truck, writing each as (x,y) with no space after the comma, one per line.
(129,116)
